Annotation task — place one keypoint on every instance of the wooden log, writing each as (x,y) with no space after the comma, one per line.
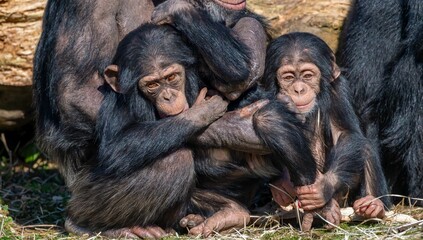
(321,17)
(20,27)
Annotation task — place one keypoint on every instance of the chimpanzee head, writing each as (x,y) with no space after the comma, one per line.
(154,69)
(302,66)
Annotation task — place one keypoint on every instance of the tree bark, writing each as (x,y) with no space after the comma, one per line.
(20,27)
(321,17)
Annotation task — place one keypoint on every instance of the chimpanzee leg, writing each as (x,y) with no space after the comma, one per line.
(143,203)
(223,214)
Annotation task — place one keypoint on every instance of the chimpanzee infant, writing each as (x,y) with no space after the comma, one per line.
(302,67)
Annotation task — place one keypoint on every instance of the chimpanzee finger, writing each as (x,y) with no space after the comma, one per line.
(197,231)
(149,232)
(362,202)
(307,222)
(311,205)
(369,210)
(191,220)
(252,108)
(281,199)
(375,213)
(306,190)
(287,100)
(201,96)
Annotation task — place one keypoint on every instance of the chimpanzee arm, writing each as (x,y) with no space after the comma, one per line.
(235,56)
(234,131)
(345,162)
(124,148)
(374,180)
(283,133)
(252,33)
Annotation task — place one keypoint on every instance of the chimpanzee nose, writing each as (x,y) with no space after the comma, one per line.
(299,89)
(167,95)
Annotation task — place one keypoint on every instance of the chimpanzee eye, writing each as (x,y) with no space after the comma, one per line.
(171,78)
(288,78)
(308,76)
(152,85)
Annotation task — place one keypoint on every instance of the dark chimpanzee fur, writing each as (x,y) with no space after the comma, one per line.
(143,176)
(78,41)
(76,45)
(380,50)
(303,67)
(145,172)
(237,62)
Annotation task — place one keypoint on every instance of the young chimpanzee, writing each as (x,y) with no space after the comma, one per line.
(143,178)
(302,66)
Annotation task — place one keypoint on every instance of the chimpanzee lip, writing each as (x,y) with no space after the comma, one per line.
(233,5)
(305,105)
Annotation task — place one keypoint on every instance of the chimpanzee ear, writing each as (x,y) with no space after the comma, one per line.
(111,75)
(336,71)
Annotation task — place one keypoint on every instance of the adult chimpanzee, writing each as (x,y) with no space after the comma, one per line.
(382,57)
(302,66)
(143,180)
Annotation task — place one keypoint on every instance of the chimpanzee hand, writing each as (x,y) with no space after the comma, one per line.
(234,131)
(164,12)
(316,195)
(206,110)
(283,191)
(331,212)
(369,207)
(287,100)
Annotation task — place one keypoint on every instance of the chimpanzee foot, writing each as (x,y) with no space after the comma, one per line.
(191,221)
(151,232)
(71,227)
(224,220)
(307,221)
(331,212)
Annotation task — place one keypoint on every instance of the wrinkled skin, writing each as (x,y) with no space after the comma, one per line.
(369,207)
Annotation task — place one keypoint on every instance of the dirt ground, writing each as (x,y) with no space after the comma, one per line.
(321,17)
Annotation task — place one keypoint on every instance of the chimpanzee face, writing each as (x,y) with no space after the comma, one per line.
(165,88)
(301,81)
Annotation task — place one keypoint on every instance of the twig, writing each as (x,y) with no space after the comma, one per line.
(408,226)
(9,152)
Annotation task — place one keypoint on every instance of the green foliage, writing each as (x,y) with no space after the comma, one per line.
(29,152)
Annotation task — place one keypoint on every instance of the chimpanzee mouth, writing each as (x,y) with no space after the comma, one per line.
(235,5)
(177,112)
(305,107)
